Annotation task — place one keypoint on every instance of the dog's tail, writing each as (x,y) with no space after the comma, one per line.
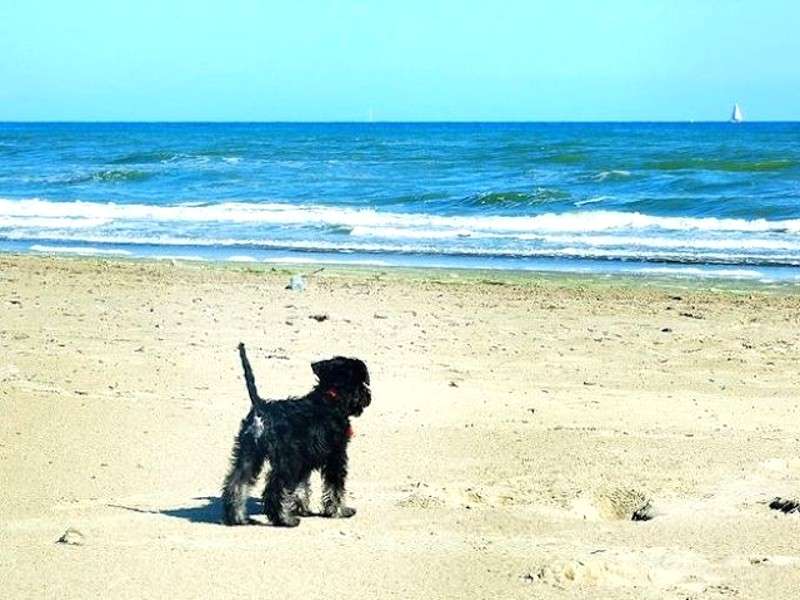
(248,375)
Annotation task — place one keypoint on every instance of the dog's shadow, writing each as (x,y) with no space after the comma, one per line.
(209,512)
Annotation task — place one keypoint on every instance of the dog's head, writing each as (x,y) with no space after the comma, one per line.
(344,381)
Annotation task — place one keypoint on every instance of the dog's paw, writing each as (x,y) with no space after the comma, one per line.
(345,512)
(289,521)
(235,519)
(342,512)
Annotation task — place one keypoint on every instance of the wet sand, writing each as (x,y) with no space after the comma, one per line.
(518,422)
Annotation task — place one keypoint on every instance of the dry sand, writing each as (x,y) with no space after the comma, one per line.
(517,424)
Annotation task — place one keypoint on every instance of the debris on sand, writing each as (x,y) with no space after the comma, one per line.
(785,505)
(298,281)
(72,537)
(319,318)
(690,315)
(297,284)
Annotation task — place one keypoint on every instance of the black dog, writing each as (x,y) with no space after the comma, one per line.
(297,436)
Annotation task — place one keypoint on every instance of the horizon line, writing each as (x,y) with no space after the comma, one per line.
(387,121)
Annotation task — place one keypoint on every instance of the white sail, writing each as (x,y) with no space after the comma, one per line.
(737,116)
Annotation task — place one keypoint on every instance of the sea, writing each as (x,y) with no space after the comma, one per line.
(696,200)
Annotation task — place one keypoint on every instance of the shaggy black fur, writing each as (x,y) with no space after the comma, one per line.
(297,436)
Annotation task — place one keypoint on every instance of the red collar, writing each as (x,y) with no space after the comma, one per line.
(331,394)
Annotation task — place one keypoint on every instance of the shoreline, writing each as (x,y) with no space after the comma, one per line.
(664,281)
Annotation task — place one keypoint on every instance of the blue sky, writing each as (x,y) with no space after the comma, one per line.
(409,60)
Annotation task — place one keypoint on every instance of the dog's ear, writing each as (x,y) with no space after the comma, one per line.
(340,371)
(325,370)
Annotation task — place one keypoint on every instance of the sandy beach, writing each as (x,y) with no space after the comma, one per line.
(518,422)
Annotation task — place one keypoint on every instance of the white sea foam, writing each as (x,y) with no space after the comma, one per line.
(398,232)
(325,261)
(285,214)
(82,250)
(348,246)
(737,243)
(612,174)
(590,200)
(606,235)
(697,272)
(687,243)
(178,257)
(37,222)
(240,258)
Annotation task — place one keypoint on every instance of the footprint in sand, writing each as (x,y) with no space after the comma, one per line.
(418,500)
(8,372)
(622,568)
(421,496)
(418,496)
(616,504)
(624,504)
(495,496)
(589,572)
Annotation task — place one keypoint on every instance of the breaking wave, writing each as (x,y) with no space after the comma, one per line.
(340,217)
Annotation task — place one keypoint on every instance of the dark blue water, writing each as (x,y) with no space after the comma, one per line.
(687,198)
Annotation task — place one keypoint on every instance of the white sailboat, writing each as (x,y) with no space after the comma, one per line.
(736,115)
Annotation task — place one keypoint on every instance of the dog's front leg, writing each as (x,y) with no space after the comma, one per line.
(301,503)
(334,474)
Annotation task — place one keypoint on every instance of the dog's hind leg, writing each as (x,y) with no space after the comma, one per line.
(334,474)
(245,467)
(279,498)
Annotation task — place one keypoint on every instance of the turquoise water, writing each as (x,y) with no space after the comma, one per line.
(700,199)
